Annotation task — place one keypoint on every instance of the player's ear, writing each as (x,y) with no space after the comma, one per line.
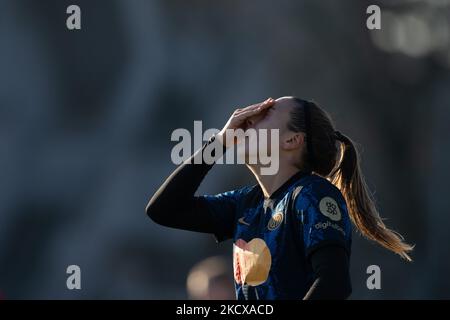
(293,140)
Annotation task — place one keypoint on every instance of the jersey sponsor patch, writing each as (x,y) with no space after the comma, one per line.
(251,261)
(328,224)
(330,209)
(275,221)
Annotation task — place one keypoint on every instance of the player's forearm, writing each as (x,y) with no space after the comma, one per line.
(330,264)
(174,204)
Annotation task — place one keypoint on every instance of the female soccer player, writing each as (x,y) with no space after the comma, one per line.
(292,230)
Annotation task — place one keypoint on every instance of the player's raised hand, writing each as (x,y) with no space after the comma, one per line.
(240,116)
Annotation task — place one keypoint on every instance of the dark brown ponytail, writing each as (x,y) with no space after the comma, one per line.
(341,165)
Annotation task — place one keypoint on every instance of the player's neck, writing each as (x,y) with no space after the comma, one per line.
(270,183)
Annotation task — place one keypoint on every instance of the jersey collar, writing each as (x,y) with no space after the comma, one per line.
(297,176)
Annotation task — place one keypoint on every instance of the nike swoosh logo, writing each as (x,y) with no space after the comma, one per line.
(241,220)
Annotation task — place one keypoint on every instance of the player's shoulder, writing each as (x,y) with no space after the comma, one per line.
(250,191)
(318,187)
(324,197)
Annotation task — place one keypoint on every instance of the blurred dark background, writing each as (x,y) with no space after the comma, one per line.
(86,118)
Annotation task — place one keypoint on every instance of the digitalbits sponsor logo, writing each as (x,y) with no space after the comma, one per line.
(329,224)
(330,209)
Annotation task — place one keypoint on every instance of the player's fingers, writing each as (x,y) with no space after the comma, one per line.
(259,107)
(253,111)
(255,106)
(266,104)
